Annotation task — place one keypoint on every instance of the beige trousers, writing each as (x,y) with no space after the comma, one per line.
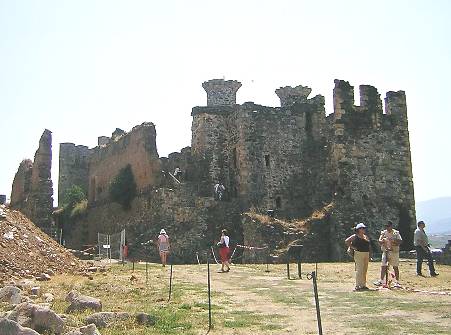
(361,260)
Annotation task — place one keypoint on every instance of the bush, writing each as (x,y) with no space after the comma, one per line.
(123,187)
(79,209)
(73,196)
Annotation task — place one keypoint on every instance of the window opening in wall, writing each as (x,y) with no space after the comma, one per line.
(267,161)
(278,202)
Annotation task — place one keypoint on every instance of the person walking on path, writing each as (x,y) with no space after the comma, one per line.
(163,246)
(360,242)
(423,249)
(224,251)
(389,240)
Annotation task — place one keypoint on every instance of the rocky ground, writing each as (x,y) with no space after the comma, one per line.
(27,252)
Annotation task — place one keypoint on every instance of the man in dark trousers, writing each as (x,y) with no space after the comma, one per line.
(423,249)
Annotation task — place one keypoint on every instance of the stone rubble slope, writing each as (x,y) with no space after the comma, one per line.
(27,252)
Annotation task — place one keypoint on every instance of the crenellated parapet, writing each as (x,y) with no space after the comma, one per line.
(221,92)
(289,95)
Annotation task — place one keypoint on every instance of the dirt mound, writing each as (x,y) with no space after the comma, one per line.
(27,252)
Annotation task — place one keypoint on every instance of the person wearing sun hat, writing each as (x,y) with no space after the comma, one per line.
(163,246)
(360,242)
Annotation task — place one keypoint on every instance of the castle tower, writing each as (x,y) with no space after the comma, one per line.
(289,95)
(221,92)
(73,168)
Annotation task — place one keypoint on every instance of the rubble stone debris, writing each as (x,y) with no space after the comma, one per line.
(10,327)
(27,252)
(86,330)
(79,302)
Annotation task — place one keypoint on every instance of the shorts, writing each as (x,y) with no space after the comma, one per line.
(390,258)
(164,247)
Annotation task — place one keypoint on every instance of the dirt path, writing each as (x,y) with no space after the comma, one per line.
(248,289)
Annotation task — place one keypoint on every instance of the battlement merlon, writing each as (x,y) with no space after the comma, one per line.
(395,104)
(221,92)
(343,98)
(370,99)
(289,95)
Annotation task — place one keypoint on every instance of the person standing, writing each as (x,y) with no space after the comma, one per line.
(389,240)
(163,246)
(360,242)
(422,247)
(224,251)
(178,173)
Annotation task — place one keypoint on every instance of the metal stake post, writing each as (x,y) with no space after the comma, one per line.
(170,284)
(315,290)
(299,269)
(209,292)
(147,273)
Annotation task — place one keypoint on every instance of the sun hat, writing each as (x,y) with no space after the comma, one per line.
(163,232)
(360,225)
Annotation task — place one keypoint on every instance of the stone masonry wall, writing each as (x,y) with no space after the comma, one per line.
(292,159)
(193,223)
(32,190)
(21,184)
(370,164)
(243,147)
(137,148)
(73,168)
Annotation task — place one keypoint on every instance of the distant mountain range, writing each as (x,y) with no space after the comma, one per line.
(436,213)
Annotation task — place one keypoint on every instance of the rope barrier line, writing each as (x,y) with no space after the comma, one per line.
(250,247)
(233,253)
(214,256)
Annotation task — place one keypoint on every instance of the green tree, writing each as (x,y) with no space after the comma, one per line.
(73,196)
(123,187)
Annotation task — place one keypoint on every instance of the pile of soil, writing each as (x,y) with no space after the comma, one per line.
(27,252)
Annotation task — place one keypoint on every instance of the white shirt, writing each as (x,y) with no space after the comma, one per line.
(390,237)
(226,240)
(420,238)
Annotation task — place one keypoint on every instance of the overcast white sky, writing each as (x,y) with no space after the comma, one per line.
(83,68)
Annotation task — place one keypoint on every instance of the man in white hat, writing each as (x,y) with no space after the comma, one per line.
(163,246)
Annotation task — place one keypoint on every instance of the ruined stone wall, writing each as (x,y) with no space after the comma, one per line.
(73,168)
(193,223)
(269,158)
(292,159)
(370,163)
(282,170)
(21,184)
(32,190)
(137,148)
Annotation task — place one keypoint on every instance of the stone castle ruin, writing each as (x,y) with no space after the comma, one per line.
(32,190)
(318,174)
